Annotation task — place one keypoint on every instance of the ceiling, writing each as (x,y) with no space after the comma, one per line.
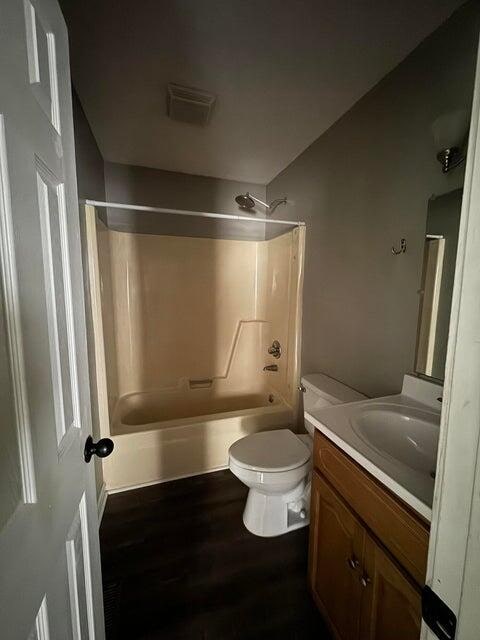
(283,71)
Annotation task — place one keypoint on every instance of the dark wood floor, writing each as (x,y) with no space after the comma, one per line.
(178,564)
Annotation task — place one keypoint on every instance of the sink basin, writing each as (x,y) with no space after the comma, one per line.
(406,434)
(394,438)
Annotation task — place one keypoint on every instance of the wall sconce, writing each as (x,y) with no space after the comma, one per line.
(449,132)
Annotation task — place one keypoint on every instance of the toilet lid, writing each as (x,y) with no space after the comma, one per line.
(279,450)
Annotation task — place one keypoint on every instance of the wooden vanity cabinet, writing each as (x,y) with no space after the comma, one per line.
(337,539)
(361,587)
(391,603)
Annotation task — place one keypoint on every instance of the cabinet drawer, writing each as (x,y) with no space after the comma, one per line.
(401,532)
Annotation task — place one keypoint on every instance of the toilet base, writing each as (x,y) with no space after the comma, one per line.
(269,515)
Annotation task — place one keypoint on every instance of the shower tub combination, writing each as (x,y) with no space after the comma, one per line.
(165,424)
(160,435)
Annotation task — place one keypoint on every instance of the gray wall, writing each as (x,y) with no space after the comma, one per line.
(90,174)
(154,187)
(361,187)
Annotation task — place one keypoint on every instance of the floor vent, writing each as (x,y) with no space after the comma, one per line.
(111,602)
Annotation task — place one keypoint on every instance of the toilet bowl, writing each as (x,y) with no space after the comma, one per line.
(276,465)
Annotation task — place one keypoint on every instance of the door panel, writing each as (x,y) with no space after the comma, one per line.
(49,551)
(10,476)
(336,551)
(41,62)
(16,457)
(78,563)
(391,604)
(53,223)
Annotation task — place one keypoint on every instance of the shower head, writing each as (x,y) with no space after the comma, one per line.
(245,201)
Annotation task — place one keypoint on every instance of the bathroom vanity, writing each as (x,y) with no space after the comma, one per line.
(372,491)
(368,551)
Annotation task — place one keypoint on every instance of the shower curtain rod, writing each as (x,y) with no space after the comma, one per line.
(200,214)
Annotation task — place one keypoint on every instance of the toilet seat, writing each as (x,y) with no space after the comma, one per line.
(273,481)
(270,451)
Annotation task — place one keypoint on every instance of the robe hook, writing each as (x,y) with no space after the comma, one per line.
(403,248)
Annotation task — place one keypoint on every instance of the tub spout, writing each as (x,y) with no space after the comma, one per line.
(271,367)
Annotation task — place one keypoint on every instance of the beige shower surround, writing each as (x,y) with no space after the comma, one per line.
(199,308)
(171,310)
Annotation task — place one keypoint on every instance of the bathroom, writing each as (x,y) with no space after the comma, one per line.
(261,317)
(190,306)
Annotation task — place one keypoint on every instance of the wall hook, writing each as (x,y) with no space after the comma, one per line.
(403,247)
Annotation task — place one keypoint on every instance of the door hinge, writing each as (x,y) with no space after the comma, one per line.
(439,617)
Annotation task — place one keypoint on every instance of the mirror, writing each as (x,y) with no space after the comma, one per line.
(439,258)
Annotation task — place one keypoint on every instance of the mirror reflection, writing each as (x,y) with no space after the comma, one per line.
(440,253)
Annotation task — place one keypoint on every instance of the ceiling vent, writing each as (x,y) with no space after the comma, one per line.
(189,105)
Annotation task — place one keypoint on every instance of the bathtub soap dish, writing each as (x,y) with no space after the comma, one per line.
(202,383)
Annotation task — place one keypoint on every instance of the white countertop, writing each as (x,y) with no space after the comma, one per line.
(413,486)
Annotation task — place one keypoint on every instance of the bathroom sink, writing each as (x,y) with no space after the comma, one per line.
(406,434)
(395,438)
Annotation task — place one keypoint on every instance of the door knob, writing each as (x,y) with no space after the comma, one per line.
(102,448)
(353,563)
(365,581)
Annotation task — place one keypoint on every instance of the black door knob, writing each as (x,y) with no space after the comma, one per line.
(102,448)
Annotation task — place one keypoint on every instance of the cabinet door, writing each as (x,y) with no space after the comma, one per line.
(336,551)
(391,604)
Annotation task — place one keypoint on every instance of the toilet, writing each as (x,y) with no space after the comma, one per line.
(276,465)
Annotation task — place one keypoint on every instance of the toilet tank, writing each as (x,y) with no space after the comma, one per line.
(322,391)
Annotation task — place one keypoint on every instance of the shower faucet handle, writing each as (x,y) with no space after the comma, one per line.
(276,349)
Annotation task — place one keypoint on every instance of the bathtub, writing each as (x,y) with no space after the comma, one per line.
(159,436)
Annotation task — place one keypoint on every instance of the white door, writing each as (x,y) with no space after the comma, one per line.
(50,583)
